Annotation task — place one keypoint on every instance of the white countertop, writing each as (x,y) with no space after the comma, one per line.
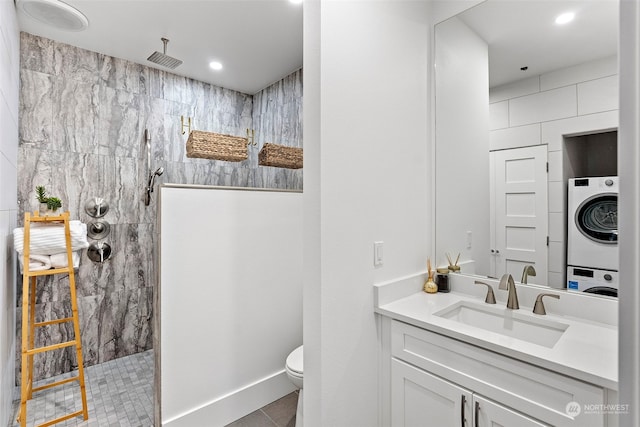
(587,350)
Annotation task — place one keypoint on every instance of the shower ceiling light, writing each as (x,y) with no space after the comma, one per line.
(215,65)
(55,13)
(565,18)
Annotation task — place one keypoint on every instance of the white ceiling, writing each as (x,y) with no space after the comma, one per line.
(258,41)
(523,33)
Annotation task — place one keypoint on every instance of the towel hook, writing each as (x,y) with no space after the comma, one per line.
(251,137)
(188,125)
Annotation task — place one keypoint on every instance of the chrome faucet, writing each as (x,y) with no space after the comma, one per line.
(526,272)
(507,283)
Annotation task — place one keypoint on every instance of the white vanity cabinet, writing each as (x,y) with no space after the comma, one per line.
(440,381)
(422,399)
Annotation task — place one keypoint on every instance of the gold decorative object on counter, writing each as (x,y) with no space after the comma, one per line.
(453,266)
(280,156)
(430,287)
(216,146)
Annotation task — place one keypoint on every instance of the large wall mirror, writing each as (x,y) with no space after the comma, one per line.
(526,141)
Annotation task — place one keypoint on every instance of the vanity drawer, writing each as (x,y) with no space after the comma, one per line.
(529,389)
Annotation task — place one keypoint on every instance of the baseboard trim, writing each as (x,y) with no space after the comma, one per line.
(236,404)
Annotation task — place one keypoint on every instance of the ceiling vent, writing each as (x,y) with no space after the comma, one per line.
(55,13)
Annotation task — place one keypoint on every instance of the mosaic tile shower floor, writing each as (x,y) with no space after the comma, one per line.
(120,394)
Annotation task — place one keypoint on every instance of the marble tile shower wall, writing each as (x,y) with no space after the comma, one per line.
(82,119)
(277,118)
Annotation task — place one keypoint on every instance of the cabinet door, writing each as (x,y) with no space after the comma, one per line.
(419,399)
(490,414)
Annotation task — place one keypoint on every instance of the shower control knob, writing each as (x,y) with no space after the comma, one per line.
(99,252)
(98,230)
(96,207)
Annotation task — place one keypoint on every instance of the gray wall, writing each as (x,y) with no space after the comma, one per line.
(82,119)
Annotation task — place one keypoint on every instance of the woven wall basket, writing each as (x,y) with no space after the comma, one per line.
(216,146)
(280,156)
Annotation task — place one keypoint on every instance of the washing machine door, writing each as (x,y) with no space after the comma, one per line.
(597,218)
(602,290)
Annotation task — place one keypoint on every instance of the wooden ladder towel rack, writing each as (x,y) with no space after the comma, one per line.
(29,324)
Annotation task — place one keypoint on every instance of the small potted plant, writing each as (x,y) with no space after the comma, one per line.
(53,204)
(48,205)
(41,196)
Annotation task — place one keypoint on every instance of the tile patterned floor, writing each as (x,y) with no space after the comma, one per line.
(281,413)
(120,394)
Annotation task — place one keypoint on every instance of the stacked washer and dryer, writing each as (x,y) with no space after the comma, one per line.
(592,235)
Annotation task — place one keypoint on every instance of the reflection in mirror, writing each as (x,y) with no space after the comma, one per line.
(523,106)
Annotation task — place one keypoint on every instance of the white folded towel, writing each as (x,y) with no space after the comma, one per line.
(60,260)
(49,238)
(45,262)
(37,262)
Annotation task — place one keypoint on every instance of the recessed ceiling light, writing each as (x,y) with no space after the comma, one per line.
(55,13)
(565,18)
(215,65)
(296,1)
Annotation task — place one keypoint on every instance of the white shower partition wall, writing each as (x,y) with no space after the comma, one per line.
(230,302)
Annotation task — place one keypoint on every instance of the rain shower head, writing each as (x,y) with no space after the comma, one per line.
(163,59)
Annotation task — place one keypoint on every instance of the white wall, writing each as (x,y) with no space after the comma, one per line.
(462,166)
(9,84)
(328,311)
(366,178)
(543,110)
(628,169)
(230,300)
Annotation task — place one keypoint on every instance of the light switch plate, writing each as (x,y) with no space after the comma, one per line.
(378,253)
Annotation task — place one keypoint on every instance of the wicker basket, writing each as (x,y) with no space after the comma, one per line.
(209,145)
(280,156)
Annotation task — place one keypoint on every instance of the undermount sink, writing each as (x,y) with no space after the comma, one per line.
(500,320)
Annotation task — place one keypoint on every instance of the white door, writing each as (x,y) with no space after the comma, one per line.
(419,399)
(519,220)
(490,414)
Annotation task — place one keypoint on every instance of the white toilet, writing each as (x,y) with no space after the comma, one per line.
(295,372)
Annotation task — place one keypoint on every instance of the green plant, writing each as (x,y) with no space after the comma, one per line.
(54,203)
(41,194)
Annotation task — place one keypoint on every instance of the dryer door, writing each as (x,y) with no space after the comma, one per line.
(597,218)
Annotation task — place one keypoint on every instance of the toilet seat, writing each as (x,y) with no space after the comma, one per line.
(294,363)
(294,367)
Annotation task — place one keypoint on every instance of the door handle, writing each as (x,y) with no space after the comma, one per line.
(477,414)
(463,402)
